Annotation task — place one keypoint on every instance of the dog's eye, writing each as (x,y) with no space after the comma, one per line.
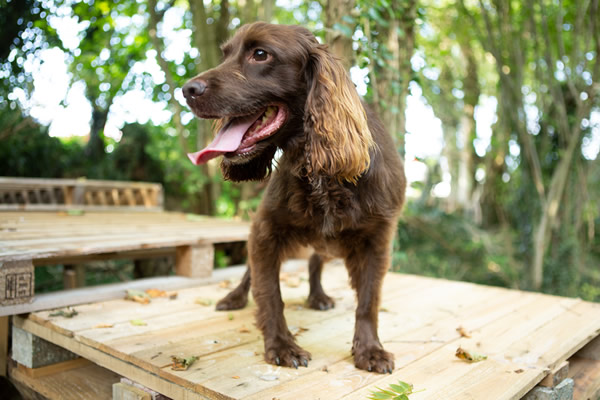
(260,55)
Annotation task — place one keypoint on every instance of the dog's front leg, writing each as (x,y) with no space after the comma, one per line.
(266,249)
(367,265)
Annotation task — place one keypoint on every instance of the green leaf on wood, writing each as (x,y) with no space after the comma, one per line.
(67,314)
(399,391)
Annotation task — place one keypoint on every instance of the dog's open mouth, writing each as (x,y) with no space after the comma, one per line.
(240,135)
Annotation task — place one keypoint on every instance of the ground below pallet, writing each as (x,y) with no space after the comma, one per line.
(524,335)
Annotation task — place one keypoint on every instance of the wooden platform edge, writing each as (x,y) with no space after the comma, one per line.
(112,291)
(92,294)
(109,362)
(91,381)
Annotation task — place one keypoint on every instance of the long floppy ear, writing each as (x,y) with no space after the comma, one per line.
(338,137)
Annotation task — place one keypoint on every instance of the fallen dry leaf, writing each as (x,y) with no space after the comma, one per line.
(104,326)
(182,364)
(463,332)
(292,281)
(225,284)
(299,331)
(519,371)
(243,329)
(138,296)
(235,377)
(469,356)
(203,301)
(156,293)
(65,313)
(173,296)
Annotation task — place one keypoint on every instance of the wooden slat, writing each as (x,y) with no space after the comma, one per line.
(86,382)
(39,235)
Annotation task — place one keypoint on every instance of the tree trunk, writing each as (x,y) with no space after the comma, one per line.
(339,43)
(94,149)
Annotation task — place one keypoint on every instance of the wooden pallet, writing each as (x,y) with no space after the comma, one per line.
(525,336)
(56,194)
(39,238)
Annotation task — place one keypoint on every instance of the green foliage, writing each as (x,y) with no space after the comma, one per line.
(434,243)
(399,391)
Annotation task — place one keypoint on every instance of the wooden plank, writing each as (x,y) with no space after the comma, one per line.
(194,261)
(73,297)
(556,376)
(586,374)
(120,367)
(87,382)
(54,368)
(52,236)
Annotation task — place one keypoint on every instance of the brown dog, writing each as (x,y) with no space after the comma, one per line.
(338,185)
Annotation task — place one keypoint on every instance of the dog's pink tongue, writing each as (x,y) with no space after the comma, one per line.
(228,139)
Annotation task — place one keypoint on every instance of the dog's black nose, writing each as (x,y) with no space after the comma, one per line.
(194,88)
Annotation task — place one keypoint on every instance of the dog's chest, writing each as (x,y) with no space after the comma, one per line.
(325,207)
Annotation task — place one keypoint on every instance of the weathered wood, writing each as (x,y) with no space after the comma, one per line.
(73,297)
(153,394)
(522,334)
(31,194)
(194,261)
(16,282)
(54,368)
(34,352)
(86,382)
(586,374)
(123,391)
(111,363)
(556,376)
(54,236)
(591,351)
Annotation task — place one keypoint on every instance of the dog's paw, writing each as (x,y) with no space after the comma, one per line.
(233,301)
(320,301)
(287,355)
(374,359)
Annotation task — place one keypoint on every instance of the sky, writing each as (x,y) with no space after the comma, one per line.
(64,107)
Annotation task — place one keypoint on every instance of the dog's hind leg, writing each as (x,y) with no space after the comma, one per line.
(238,297)
(317,299)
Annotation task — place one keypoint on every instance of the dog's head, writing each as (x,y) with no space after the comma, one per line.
(277,87)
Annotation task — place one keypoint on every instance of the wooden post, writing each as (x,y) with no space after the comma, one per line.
(556,376)
(194,261)
(3,345)
(16,282)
